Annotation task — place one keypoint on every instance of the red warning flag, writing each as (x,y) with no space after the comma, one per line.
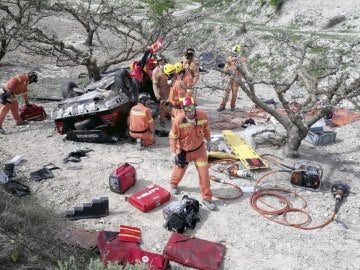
(157,45)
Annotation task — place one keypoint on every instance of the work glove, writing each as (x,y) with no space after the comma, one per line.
(174,158)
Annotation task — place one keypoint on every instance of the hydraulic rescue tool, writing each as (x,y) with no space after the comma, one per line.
(339,190)
(235,171)
(306,174)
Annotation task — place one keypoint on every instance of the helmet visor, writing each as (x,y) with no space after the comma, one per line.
(189,108)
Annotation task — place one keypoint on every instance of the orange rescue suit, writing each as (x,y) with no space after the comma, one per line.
(194,69)
(141,124)
(189,137)
(18,86)
(179,90)
(161,89)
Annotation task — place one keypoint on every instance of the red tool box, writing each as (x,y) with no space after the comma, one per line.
(149,198)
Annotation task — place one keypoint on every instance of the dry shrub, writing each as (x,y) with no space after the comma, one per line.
(334,21)
(31,235)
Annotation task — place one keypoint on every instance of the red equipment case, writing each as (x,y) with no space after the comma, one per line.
(32,112)
(122,178)
(149,198)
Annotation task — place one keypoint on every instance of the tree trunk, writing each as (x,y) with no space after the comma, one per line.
(93,69)
(295,137)
(2,49)
(89,38)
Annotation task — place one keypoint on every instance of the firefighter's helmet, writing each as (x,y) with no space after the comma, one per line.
(143,97)
(169,69)
(188,104)
(189,52)
(178,67)
(236,48)
(33,77)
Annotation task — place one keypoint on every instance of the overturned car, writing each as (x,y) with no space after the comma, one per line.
(98,112)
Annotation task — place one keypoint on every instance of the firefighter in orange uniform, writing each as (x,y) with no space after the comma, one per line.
(180,88)
(189,130)
(17,85)
(184,75)
(191,64)
(141,123)
(233,85)
(160,86)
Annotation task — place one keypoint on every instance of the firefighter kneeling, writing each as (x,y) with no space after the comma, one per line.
(189,129)
(141,123)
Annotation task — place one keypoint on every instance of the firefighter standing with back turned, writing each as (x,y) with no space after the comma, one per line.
(17,85)
(160,87)
(179,88)
(186,137)
(141,123)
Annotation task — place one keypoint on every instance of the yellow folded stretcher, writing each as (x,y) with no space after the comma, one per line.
(221,155)
(243,151)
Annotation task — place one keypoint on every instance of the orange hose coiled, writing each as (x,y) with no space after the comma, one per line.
(276,192)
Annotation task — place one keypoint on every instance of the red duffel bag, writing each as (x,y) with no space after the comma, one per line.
(194,252)
(32,112)
(111,248)
(152,260)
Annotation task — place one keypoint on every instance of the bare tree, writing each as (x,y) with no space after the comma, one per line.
(324,71)
(107,33)
(15,16)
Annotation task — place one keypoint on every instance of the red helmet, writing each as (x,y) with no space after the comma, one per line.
(188,104)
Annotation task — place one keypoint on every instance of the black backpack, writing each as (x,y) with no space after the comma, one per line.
(186,217)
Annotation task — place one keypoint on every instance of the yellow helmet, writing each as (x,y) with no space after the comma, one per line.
(169,69)
(236,48)
(178,67)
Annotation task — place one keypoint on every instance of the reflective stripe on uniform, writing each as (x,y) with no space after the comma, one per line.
(138,113)
(151,120)
(173,136)
(18,78)
(201,163)
(201,122)
(185,125)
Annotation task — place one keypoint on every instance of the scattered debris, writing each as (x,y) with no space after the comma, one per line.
(44,173)
(16,188)
(82,238)
(77,155)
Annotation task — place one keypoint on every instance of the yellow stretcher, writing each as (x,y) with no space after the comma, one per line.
(221,155)
(243,151)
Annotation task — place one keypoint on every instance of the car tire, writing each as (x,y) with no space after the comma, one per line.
(124,82)
(67,90)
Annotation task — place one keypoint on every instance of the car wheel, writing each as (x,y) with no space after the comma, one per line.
(67,90)
(124,82)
